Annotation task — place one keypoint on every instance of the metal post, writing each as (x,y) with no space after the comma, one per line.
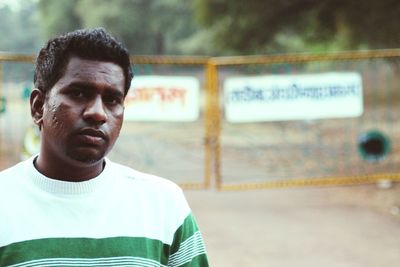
(212,126)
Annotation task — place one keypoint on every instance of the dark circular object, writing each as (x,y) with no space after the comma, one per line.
(373,146)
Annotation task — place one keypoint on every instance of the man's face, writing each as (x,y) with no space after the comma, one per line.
(83,112)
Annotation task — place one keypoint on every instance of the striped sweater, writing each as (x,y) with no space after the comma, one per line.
(120,218)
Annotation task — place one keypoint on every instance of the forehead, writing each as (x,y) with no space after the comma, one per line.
(93,71)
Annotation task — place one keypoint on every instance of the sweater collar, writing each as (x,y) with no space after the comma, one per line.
(66,187)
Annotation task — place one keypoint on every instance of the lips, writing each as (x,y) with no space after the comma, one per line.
(92,136)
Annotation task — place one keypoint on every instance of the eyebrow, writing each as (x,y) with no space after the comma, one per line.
(91,86)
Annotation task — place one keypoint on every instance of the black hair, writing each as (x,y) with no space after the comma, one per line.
(91,44)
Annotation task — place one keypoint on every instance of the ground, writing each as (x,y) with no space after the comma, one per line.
(353,226)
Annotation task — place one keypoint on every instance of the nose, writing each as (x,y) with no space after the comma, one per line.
(94,111)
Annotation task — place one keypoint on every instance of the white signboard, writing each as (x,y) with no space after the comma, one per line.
(293,97)
(163,98)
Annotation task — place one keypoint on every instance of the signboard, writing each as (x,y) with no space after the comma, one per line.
(293,97)
(163,98)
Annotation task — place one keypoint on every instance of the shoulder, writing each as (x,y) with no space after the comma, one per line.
(11,180)
(155,183)
(153,192)
(13,172)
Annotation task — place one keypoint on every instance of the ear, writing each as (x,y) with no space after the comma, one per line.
(37,99)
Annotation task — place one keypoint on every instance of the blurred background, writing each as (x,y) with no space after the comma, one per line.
(293,192)
(212,27)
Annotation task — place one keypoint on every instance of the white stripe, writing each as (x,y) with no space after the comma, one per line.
(118,263)
(189,249)
(191,243)
(184,254)
(71,264)
(91,262)
(188,257)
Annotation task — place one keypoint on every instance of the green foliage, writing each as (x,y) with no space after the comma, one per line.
(226,27)
(58,16)
(18,29)
(123,18)
(145,26)
(267,26)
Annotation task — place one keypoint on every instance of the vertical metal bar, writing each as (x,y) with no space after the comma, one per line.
(1,95)
(208,128)
(216,124)
(212,126)
(394,111)
(1,77)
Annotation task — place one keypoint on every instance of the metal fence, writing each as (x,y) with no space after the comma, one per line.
(312,152)
(236,156)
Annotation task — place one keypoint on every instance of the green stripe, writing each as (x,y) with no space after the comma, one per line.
(191,251)
(186,230)
(198,261)
(84,248)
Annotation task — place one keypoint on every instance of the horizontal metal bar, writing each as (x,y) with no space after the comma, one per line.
(171,60)
(301,58)
(328,181)
(28,58)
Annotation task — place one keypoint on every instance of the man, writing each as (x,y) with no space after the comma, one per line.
(71,206)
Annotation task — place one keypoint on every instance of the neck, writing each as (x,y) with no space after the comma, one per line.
(66,171)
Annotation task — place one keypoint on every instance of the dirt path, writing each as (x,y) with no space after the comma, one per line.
(301,227)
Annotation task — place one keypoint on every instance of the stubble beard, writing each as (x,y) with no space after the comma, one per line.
(87,157)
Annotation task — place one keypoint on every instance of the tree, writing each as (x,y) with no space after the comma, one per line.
(254,26)
(58,16)
(145,26)
(19,29)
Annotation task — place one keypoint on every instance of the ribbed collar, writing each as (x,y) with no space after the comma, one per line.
(59,187)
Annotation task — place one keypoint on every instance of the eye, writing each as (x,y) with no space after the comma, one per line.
(113,99)
(77,92)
